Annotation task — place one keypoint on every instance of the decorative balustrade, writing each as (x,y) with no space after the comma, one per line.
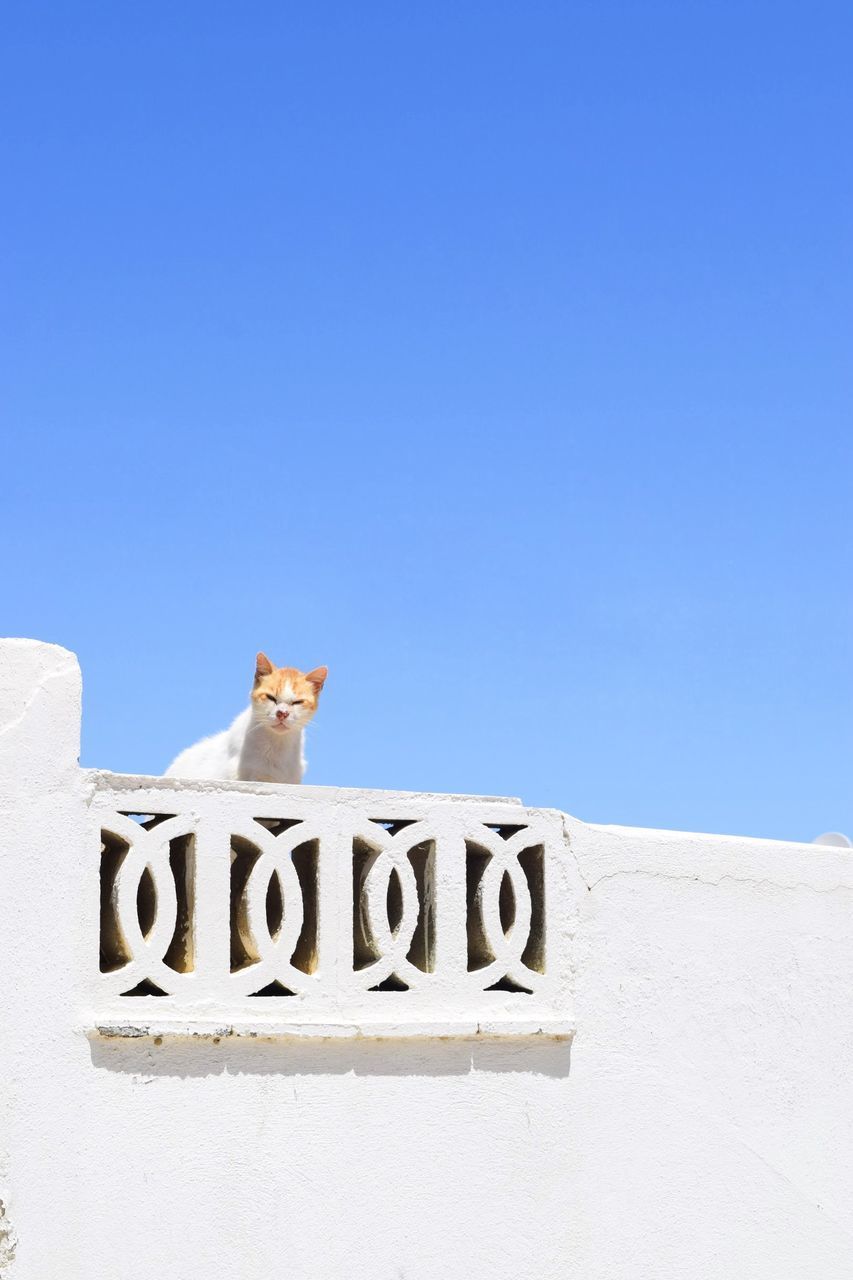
(235,908)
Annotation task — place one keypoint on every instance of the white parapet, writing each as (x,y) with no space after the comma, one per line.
(255,1031)
(234,908)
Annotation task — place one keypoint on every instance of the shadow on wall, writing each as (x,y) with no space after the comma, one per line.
(244,1056)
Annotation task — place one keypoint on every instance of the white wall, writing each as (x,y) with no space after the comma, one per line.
(698,1126)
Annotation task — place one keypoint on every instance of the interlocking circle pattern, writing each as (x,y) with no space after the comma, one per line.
(273,953)
(147,850)
(333,909)
(391,945)
(506,946)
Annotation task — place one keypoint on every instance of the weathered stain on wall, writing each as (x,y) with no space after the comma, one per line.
(8,1242)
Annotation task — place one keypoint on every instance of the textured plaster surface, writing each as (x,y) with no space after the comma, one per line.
(699,1125)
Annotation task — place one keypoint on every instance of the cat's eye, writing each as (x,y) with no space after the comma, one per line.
(297,702)
(271,697)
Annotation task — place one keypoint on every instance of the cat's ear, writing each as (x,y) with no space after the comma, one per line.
(317,677)
(263,666)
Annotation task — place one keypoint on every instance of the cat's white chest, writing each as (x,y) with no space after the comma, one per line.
(267,756)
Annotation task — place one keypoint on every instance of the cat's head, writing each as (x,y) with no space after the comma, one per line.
(284,698)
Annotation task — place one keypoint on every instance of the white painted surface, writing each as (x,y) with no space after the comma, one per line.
(698,1126)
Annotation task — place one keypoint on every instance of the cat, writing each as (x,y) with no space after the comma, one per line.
(264,744)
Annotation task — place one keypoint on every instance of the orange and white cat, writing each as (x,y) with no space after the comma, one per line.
(264,744)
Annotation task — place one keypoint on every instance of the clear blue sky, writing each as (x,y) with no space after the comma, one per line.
(495,354)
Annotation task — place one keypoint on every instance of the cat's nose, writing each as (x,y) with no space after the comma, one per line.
(281,715)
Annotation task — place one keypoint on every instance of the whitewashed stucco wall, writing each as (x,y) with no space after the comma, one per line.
(699,1125)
